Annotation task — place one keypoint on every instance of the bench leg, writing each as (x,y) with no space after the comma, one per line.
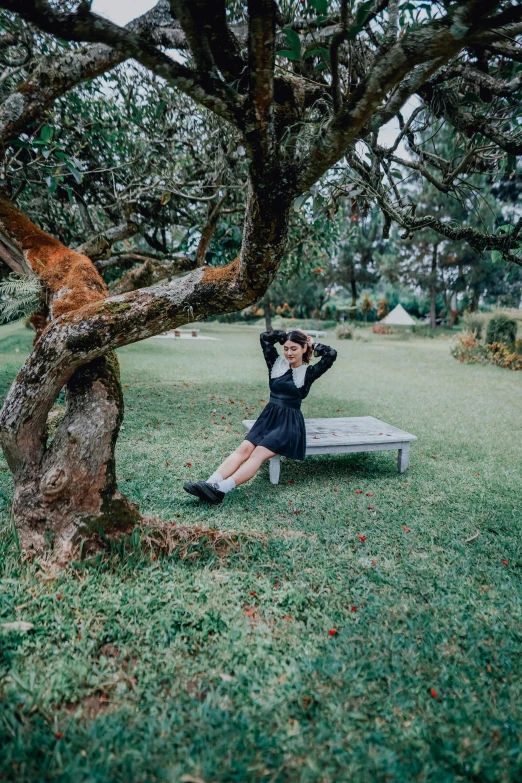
(403,457)
(275,468)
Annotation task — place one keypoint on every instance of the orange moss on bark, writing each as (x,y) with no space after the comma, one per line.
(70,277)
(222,274)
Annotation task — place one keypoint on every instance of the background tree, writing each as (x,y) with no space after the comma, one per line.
(304,89)
(366,306)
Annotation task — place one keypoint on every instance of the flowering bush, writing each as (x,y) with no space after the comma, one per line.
(506,356)
(382,329)
(470,350)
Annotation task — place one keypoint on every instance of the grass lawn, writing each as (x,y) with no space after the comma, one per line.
(221,668)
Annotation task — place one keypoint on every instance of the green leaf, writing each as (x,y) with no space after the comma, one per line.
(318,51)
(506,228)
(458,30)
(160,108)
(496,256)
(19,143)
(321,6)
(294,42)
(300,200)
(52,183)
(511,163)
(69,192)
(470,97)
(46,133)
(396,173)
(363,12)
(78,176)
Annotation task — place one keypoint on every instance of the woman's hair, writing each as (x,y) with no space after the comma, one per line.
(299,338)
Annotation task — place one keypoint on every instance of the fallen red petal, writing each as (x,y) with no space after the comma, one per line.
(361,538)
(505,562)
(406,528)
(332,632)
(353,608)
(433,693)
(58,735)
(188,464)
(287,617)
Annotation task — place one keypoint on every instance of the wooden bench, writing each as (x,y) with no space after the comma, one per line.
(193,332)
(339,436)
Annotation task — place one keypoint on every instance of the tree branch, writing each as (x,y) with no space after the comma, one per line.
(84,26)
(261,57)
(100,246)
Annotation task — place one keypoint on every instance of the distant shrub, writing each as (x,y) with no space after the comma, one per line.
(382,329)
(284,310)
(344,332)
(366,306)
(361,334)
(475,322)
(383,309)
(468,349)
(501,329)
(509,357)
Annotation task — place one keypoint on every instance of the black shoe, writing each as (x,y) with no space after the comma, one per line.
(192,488)
(209,492)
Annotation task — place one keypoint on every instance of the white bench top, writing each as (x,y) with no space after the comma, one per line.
(354,431)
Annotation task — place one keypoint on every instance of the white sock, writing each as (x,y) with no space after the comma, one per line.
(215,478)
(227,485)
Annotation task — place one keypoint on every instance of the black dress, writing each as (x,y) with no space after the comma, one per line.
(281,426)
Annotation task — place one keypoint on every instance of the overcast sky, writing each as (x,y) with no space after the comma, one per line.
(122,11)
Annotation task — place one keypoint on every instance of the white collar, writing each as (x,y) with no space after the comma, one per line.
(282,365)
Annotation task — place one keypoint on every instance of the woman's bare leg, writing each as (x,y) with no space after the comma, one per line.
(249,468)
(234,460)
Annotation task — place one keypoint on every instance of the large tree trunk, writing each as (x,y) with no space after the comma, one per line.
(67,487)
(353,284)
(454,313)
(433,288)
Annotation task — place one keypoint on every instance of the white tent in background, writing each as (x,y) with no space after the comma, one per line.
(398,317)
